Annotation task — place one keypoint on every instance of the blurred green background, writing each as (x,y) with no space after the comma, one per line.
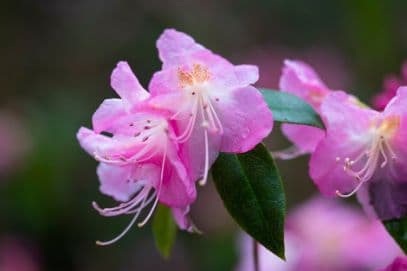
(56,61)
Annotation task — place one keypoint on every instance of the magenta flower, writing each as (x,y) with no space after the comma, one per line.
(212,102)
(399,264)
(366,151)
(337,238)
(300,79)
(390,85)
(140,164)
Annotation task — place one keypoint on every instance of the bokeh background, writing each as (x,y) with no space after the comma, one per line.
(56,58)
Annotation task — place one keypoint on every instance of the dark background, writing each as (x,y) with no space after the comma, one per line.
(56,59)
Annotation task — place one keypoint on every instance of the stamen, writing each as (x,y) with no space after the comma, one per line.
(206,170)
(214,119)
(338,193)
(123,233)
(190,126)
(137,202)
(158,189)
(384,163)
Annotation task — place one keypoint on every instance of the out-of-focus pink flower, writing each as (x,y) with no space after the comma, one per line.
(140,163)
(15,256)
(325,235)
(366,151)
(399,264)
(390,85)
(212,102)
(14,141)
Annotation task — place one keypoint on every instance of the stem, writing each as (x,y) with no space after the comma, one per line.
(256,255)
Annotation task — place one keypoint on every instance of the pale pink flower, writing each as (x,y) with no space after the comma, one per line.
(212,102)
(140,163)
(399,264)
(366,151)
(326,235)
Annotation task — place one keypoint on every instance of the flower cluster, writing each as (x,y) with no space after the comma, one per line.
(362,150)
(326,235)
(154,145)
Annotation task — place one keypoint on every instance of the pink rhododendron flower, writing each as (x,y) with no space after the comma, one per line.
(326,235)
(366,151)
(390,85)
(140,163)
(300,79)
(399,264)
(212,102)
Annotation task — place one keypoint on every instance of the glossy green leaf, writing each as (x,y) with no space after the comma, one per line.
(252,192)
(398,229)
(289,108)
(164,230)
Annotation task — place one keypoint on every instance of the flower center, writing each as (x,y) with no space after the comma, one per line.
(377,153)
(195,83)
(389,126)
(197,75)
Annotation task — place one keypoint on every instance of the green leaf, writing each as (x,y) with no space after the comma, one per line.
(252,192)
(164,230)
(289,108)
(398,229)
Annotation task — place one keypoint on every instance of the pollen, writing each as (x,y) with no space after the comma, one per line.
(198,75)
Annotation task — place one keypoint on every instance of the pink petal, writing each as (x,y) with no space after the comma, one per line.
(125,83)
(397,107)
(178,189)
(164,81)
(328,173)
(246,120)
(174,47)
(117,181)
(181,218)
(301,80)
(193,150)
(90,141)
(247,74)
(345,115)
(306,138)
(108,112)
(105,146)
